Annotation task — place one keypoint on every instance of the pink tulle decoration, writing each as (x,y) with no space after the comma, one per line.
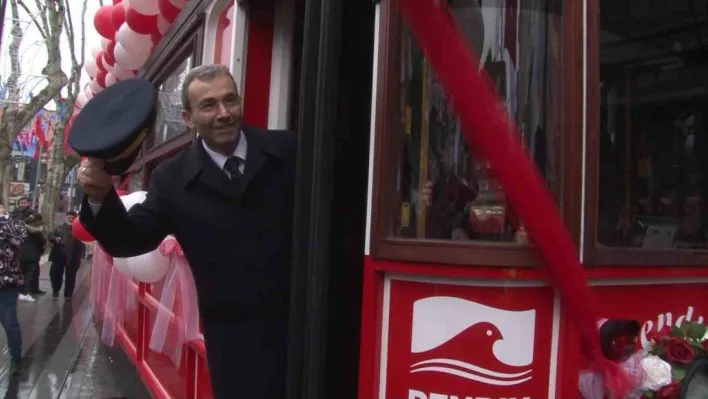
(121,299)
(177,320)
(592,385)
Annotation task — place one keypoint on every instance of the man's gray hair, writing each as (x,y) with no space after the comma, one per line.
(204,73)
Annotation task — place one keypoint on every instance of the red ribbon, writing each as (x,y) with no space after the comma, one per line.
(490,134)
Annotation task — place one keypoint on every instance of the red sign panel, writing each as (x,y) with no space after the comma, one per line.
(655,306)
(452,341)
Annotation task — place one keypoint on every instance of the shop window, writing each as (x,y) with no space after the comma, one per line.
(223,47)
(520,55)
(653,125)
(169,122)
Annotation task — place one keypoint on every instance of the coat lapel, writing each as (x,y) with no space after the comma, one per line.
(255,158)
(201,166)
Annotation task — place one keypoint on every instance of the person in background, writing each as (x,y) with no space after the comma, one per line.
(31,253)
(22,212)
(66,257)
(12,235)
(23,209)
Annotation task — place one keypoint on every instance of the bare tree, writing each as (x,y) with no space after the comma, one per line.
(59,165)
(49,20)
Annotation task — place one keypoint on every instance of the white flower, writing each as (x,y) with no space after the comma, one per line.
(658,373)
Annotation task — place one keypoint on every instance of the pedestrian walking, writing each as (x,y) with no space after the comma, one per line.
(66,257)
(12,235)
(31,253)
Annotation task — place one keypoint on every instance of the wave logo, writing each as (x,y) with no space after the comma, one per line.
(497,344)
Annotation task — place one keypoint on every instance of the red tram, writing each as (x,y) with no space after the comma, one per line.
(402,300)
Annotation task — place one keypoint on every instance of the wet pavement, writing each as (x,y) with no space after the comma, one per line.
(62,352)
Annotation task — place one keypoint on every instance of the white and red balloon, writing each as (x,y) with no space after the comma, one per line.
(147,268)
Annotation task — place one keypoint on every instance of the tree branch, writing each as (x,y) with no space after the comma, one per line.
(83,34)
(16,33)
(69,29)
(42,9)
(34,20)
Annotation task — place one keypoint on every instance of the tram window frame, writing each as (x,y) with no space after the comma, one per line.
(479,253)
(186,42)
(593,253)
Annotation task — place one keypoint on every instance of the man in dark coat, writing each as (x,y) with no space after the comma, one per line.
(22,212)
(228,200)
(31,252)
(66,256)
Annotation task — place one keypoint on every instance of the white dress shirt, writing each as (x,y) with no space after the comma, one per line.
(218,158)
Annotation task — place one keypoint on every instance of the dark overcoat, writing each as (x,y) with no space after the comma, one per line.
(70,251)
(237,237)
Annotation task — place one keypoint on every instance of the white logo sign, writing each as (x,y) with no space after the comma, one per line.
(438,320)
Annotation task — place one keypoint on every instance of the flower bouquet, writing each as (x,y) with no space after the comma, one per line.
(619,340)
(679,347)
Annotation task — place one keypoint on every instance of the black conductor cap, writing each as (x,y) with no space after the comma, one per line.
(114,123)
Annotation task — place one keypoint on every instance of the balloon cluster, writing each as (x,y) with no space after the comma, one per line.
(129,30)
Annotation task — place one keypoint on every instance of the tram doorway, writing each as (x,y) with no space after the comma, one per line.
(334,73)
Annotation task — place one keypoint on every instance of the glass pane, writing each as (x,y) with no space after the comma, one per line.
(519,48)
(169,122)
(653,137)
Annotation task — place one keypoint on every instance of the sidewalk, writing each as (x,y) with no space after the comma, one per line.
(63,355)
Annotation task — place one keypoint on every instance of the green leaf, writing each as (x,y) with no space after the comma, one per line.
(677,333)
(678,373)
(695,331)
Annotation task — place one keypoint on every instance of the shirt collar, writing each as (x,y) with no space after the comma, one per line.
(220,159)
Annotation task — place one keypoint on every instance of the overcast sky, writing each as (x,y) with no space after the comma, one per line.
(33,53)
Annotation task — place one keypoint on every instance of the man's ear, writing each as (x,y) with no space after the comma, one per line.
(187,119)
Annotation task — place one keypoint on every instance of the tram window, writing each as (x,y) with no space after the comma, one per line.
(169,122)
(519,50)
(653,140)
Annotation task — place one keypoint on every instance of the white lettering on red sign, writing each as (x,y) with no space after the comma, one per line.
(413,394)
(664,320)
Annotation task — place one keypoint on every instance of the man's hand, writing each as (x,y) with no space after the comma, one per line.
(94,180)
(426,195)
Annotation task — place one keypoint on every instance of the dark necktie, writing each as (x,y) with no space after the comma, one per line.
(232,166)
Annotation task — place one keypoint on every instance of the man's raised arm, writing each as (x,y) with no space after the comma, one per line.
(120,233)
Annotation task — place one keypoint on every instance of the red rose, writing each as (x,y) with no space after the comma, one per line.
(677,350)
(671,391)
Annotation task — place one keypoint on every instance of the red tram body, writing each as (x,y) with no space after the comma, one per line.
(450,301)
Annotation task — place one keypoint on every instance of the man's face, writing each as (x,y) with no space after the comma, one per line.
(70,219)
(23,204)
(215,112)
